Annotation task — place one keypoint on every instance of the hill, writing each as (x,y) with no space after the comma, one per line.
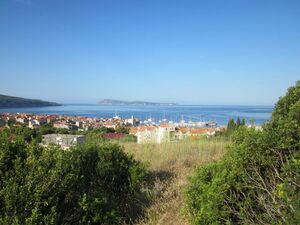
(17,102)
(134,103)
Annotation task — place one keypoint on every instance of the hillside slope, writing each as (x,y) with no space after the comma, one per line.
(17,102)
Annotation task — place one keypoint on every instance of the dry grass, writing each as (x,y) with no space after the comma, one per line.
(171,164)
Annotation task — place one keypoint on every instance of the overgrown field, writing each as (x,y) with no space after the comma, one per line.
(170,165)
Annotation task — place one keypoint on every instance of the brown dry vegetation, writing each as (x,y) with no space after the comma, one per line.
(170,165)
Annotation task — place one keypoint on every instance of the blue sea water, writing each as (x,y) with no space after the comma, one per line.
(220,114)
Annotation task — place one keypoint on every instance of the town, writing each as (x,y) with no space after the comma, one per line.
(166,131)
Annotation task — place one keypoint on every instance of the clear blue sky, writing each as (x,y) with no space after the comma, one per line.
(192,52)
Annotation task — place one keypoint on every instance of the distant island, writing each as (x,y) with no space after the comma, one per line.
(17,102)
(133,103)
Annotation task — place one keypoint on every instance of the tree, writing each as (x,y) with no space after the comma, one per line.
(252,121)
(258,181)
(243,123)
(238,122)
(47,129)
(231,126)
(123,130)
(102,130)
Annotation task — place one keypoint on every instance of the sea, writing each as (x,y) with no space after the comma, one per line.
(218,113)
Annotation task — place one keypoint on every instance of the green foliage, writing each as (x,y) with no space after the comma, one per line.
(238,122)
(123,130)
(243,122)
(258,180)
(47,129)
(129,138)
(103,130)
(90,184)
(20,132)
(96,135)
(232,126)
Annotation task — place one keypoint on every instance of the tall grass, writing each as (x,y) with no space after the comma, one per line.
(184,153)
(170,164)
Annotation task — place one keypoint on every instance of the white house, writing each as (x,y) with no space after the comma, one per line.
(131,121)
(33,124)
(146,134)
(165,133)
(21,120)
(155,134)
(64,140)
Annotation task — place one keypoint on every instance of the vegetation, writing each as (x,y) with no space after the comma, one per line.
(90,184)
(233,126)
(95,135)
(255,181)
(153,195)
(169,165)
(122,130)
(15,102)
(258,181)
(101,134)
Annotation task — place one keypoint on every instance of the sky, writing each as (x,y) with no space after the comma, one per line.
(242,52)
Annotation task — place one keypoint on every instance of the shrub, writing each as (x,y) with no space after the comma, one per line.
(91,184)
(123,130)
(258,180)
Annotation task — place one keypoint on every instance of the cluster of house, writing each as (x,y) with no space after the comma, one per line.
(167,132)
(149,133)
(66,122)
(145,134)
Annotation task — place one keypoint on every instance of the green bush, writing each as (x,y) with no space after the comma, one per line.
(129,138)
(258,181)
(91,184)
(122,130)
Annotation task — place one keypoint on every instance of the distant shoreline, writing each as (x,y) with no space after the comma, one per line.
(221,114)
(132,103)
(180,105)
(141,106)
(7,102)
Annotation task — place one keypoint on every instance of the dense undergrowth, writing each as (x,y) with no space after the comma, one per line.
(91,184)
(258,180)
(169,166)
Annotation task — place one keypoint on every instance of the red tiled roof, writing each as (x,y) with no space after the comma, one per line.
(113,135)
(164,125)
